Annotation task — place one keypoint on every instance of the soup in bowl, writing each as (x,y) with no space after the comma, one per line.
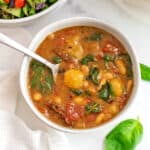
(97,77)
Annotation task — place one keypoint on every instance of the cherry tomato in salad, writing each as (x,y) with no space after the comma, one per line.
(19,3)
(7,1)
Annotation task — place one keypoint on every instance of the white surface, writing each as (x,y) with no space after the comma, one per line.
(139,9)
(14,133)
(137,32)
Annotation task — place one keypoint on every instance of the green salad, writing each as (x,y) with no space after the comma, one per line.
(11,9)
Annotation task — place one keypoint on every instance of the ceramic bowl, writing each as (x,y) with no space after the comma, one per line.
(80,21)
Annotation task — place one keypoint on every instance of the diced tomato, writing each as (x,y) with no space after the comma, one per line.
(88,100)
(19,3)
(80,110)
(109,47)
(70,32)
(73,112)
(7,1)
(100,55)
(59,42)
(91,117)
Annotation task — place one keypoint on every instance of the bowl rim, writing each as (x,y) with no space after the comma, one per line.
(35,16)
(78,21)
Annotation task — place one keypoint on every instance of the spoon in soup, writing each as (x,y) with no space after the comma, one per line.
(17,46)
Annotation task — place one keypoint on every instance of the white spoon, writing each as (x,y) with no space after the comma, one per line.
(13,44)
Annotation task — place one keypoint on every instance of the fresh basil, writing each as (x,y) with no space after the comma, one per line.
(125,136)
(39,80)
(128,63)
(145,72)
(92,107)
(105,92)
(57,59)
(93,75)
(96,36)
(108,58)
(76,92)
(88,58)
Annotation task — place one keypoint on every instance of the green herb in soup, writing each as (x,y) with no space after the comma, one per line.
(41,78)
(125,136)
(96,36)
(88,58)
(94,79)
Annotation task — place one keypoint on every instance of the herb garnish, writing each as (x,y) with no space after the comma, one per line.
(108,57)
(42,78)
(128,63)
(76,92)
(125,136)
(57,59)
(88,58)
(145,72)
(105,92)
(96,36)
(93,75)
(92,107)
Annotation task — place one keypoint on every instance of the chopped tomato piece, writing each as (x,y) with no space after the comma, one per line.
(91,117)
(109,47)
(59,42)
(7,1)
(73,112)
(100,55)
(19,3)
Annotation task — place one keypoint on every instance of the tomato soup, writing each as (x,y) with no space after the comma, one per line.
(94,79)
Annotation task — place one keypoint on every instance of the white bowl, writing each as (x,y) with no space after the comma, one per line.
(30,19)
(69,23)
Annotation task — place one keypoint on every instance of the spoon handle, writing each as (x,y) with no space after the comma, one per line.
(13,44)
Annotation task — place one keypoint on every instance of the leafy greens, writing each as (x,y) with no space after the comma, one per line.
(125,136)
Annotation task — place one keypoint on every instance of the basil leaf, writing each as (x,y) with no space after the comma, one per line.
(108,58)
(96,36)
(40,71)
(92,108)
(57,59)
(77,92)
(88,58)
(87,93)
(104,92)
(125,136)
(145,72)
(128,63)
(93,75)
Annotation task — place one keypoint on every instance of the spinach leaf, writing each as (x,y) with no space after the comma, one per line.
(128,63)
(92,107)
(57,59)
(42,78)
(108,58)
(125,136)
(87,93)
(105,92)
(96,36)
(145,72)
(88,58)
(77,92)
(93,75)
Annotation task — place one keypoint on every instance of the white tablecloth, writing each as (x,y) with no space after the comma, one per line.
(15,134)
